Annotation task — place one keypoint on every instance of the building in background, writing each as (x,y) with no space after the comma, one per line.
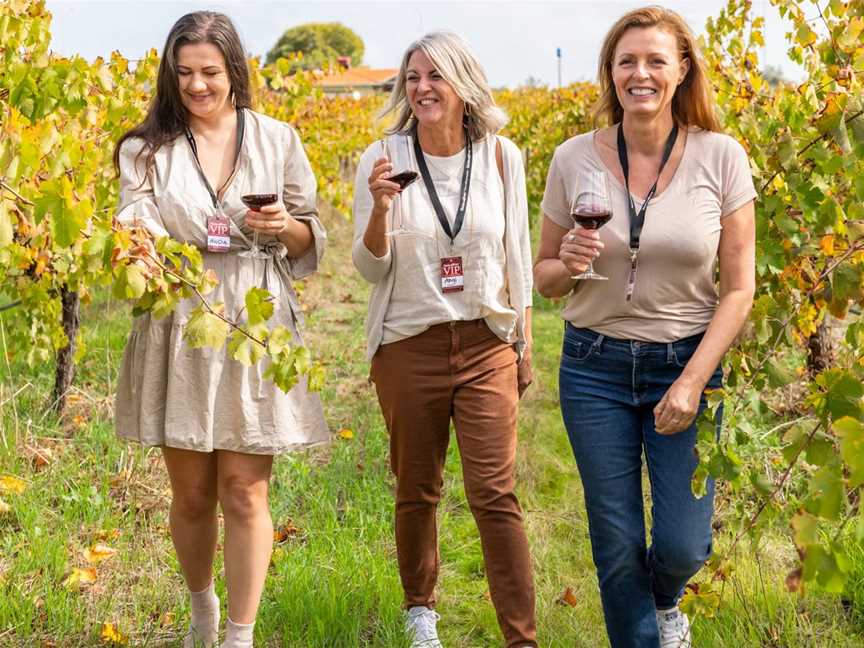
(357,82)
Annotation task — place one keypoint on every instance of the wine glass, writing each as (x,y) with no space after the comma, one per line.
(403,179)
(255,202)
(591,208)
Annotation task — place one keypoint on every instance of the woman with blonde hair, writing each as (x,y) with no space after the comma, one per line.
(441,231)
(187,171)
(645,338)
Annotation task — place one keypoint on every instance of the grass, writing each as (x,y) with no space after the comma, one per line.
(333,581)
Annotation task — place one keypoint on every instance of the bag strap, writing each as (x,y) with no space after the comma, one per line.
(499,158)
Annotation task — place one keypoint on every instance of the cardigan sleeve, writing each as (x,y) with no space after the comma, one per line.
(371,268)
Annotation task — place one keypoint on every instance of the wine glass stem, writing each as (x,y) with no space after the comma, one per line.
(255,240)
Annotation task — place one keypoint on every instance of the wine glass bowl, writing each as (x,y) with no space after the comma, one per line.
(255,202)
(404,178)
(591,209)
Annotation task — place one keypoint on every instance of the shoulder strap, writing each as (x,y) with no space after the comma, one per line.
(499,158)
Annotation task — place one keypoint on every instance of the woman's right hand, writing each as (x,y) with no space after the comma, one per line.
(380,187)
(579,247)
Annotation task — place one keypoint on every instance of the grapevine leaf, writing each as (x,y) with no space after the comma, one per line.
(204,329)
(6,232)
(244,350)
(259,305)
(851,434)
(130,282)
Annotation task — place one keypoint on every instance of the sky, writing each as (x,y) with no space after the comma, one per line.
(514,40)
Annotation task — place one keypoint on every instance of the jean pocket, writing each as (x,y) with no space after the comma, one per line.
(578,351)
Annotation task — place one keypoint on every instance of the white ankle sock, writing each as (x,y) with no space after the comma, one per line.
(205,615)
(238,635)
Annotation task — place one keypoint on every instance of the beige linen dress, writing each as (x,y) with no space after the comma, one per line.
(201,399)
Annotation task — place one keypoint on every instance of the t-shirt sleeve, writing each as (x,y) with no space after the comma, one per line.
(555,204)
(737,182)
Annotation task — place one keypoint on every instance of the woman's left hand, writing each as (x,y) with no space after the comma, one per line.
(677,410)
(524,371)
(272,219)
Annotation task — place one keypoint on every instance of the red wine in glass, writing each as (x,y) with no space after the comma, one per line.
(403,178)
(591,209)
(591,219)
(255,202)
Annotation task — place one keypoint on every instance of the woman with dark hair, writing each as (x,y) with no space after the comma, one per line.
(219,423)
(645,339)
(449,324)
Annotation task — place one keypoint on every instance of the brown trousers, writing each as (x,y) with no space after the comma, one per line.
(463,371)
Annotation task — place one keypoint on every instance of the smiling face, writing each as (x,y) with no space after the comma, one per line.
(433,100)
(646,70)
(202,79)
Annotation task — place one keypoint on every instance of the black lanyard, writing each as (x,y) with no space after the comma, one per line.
(241,128)
(637,219)
(433,195)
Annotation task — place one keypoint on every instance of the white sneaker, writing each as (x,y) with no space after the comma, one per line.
(674,628)
(420,625)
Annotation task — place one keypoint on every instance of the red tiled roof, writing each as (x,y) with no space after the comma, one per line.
(358,77)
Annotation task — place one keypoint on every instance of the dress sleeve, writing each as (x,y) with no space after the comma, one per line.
(137,206)
(555,203)
(299,196)
(371,268)
(738,187)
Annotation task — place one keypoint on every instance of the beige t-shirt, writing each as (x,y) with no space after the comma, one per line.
(675,294)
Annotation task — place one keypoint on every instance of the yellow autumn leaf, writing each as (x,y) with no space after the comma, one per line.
(107,534)
(98,552)
(4,507)
(12,484)
(826,244)
(345,433)
(79,577)
(111,635)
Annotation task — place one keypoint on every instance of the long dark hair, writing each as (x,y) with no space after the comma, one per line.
(167,116)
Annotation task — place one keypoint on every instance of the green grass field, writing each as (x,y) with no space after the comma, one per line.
(333,581)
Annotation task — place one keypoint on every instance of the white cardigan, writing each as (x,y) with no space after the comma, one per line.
(517,245)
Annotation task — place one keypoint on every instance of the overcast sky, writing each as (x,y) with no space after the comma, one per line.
(513,40)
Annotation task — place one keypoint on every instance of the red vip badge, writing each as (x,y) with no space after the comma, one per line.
(452,275)
(218,234)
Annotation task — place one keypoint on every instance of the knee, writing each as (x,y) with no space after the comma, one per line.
(241,498)
(680,555)
(194,503)
(491,498)
(411,494)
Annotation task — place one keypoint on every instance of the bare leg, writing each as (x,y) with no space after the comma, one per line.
(242,490)
(193,522)
(194,528)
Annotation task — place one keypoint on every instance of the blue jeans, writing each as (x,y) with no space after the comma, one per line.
(609,388)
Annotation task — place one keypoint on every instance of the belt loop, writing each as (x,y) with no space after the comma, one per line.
(670,352)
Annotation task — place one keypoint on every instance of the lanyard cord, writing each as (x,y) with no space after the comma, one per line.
(463,191)
(241,128)
(637,219)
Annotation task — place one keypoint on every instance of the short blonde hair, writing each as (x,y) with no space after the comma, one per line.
(458,66)
(693,102)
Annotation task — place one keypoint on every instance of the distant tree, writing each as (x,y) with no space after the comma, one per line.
(320,44)
(773,74)
(533,82)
